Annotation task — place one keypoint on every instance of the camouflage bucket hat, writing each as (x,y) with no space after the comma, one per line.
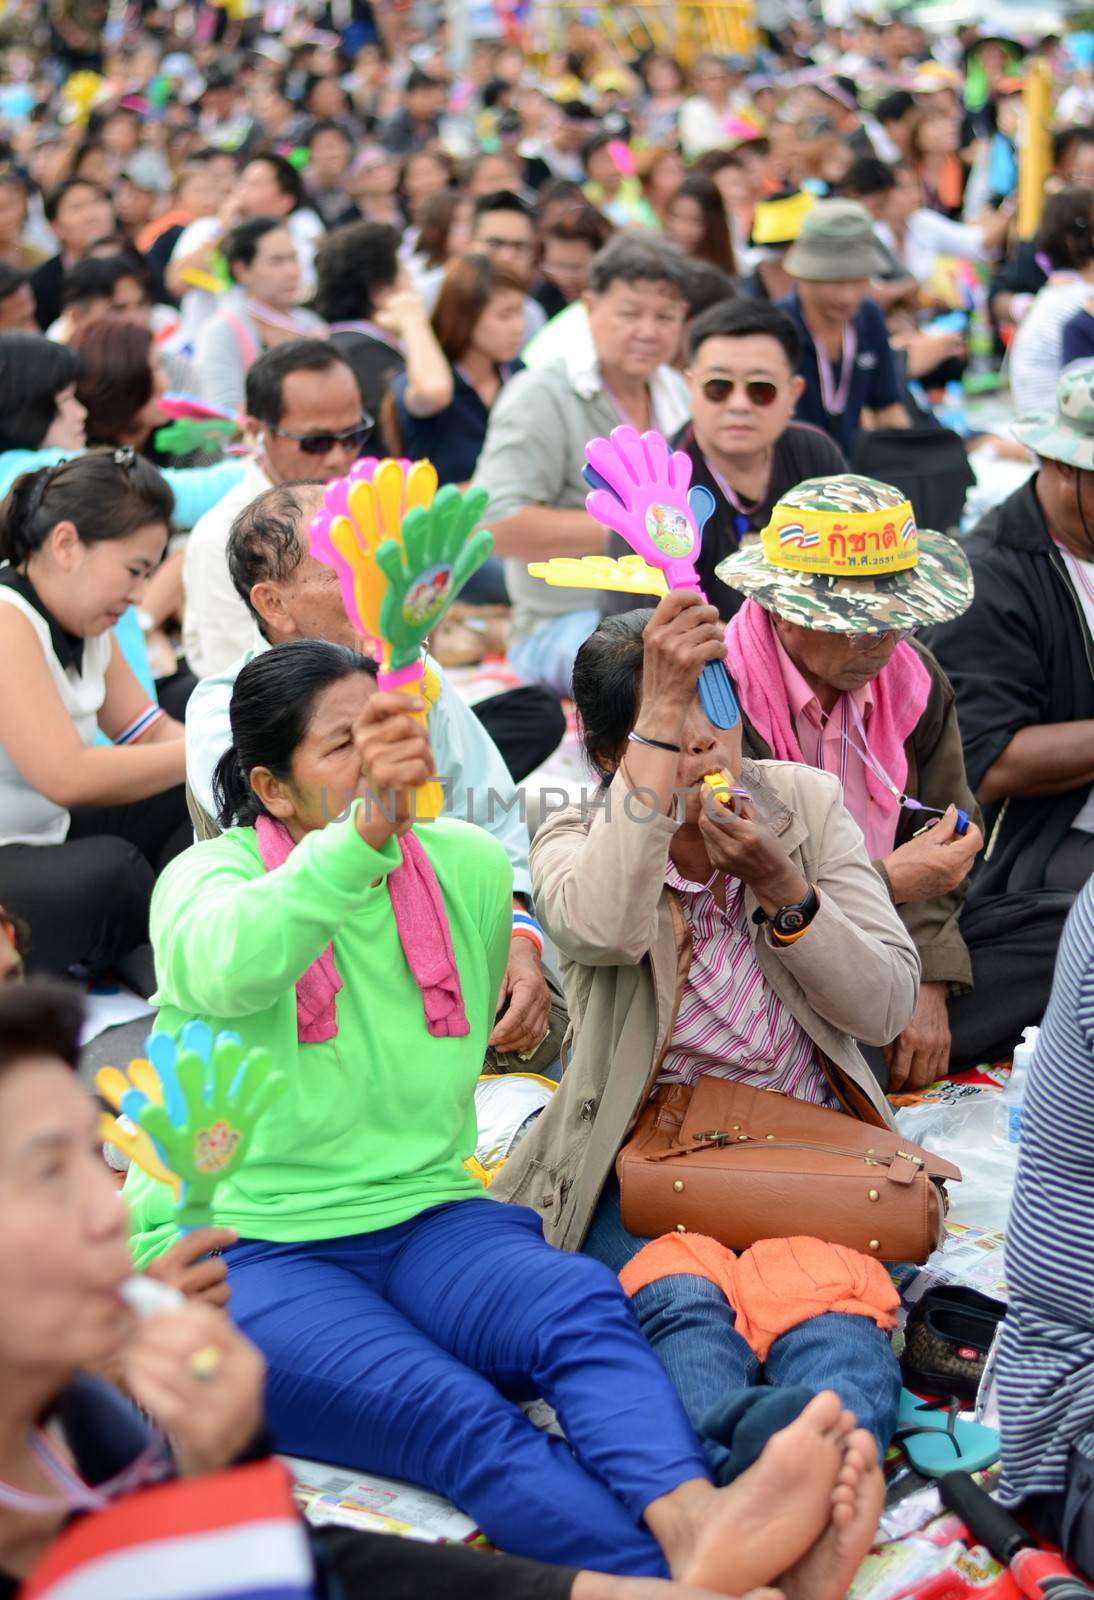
(844,555)
(1067,434)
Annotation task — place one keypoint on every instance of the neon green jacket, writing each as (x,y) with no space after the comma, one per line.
(379,1120)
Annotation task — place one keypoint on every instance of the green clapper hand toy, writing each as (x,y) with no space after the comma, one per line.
(188,1112)
(403,550)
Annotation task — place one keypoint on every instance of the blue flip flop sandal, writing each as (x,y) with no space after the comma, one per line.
(937,1440)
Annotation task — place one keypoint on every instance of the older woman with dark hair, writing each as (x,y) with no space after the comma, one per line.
(400,1310)
(752,941)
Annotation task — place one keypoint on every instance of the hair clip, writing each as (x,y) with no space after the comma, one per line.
(125,456)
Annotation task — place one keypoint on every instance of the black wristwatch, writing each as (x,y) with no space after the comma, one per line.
(793,919)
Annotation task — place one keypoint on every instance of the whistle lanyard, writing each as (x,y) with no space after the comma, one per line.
(287,321)
(870,761)
(743,512)
(152,1464)
(834,396)
(617,406)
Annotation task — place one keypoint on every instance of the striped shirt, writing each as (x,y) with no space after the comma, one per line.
(730,1023)
(1046,1352)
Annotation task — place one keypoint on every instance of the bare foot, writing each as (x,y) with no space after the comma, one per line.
(736,1539)
(828,1570)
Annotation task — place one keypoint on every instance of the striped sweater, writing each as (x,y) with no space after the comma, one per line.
(1046,1356)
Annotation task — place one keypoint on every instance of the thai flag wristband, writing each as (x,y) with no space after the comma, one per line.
(526,927)
(140,725)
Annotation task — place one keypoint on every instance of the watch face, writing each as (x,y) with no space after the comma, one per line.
(791,919)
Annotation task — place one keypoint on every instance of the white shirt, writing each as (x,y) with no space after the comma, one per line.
(198,305)
(216,626)
(928,235)
(703,128)
(1035,355)
(27,817)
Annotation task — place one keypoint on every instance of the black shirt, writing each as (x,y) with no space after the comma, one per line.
(801,452)
(375,363)
(874,383)
(1021,655)
(45,283)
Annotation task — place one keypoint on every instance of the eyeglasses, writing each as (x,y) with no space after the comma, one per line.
(320,444)
(760,391)
(860,643)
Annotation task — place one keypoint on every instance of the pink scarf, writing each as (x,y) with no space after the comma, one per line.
(900,691)
(423,933)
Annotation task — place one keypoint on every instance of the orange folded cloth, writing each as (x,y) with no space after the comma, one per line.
(774,1285)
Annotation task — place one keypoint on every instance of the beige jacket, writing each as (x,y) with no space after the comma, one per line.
(599,878)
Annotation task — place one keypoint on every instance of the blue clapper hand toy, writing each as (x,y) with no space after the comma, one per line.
(188,1112)
(638,487)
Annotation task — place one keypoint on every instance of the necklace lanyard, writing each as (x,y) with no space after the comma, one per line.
(843,744)
(76,1495)
(869,760)
(744,512)
(834,396)
(287,321)
(619,410)
(372,329)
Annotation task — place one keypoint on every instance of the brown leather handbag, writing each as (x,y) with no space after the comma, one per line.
(741,1164)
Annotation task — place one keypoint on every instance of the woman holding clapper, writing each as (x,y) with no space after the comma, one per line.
(83,828)
(400,1311)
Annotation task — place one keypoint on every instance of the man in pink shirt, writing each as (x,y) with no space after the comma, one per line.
(828,672)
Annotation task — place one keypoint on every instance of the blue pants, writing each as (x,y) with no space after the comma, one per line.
(404,1351)
(690,1323)
(547,656)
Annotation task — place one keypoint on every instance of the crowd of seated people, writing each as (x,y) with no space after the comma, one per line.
(227,284)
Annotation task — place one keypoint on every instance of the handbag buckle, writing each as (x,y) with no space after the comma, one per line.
(715,1136)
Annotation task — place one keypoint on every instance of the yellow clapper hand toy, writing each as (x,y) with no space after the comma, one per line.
(627,575)
(402,551)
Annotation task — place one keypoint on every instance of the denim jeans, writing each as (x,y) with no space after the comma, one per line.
(691,1325)
(547,656)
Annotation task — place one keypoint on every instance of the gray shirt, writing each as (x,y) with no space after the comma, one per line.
(534,453)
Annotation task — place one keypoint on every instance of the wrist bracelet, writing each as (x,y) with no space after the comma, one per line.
(654,744)
(526,927)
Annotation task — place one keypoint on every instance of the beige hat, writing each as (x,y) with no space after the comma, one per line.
(836,242)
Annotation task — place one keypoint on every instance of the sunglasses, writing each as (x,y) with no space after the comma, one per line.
(320,444)
(759,391)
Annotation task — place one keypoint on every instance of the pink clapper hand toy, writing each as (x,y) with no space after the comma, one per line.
(640,489)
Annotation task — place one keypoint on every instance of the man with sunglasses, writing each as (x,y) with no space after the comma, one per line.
(745,448)
(304,408)
(828,672)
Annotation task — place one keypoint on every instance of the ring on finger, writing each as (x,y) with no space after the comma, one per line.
(203,1363)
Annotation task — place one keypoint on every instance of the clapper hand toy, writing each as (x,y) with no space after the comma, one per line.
(188,1112)
(403,551)
(627,575)
(194,424)
(639,489)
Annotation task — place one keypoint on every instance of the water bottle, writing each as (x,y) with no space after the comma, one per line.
(951,412)
(1008,1108)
